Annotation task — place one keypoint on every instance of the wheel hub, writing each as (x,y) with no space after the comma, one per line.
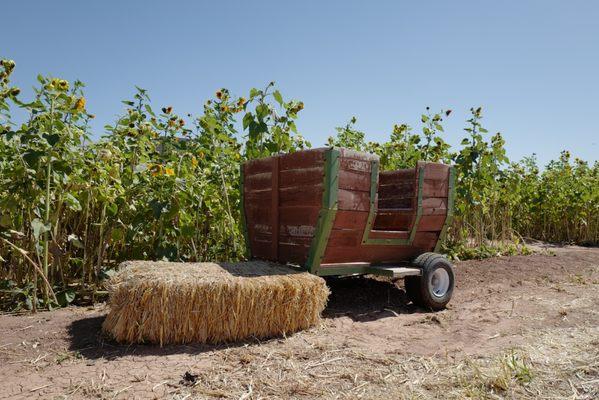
(439,282)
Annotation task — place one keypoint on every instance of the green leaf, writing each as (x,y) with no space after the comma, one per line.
(248,118)
(65,297)
(254,93)
(278,97)
(75,241)
(72,202)
(32,157)
(39,228)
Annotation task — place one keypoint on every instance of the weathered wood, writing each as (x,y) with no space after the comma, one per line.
(319,201)
(301,177)
(258,166)
(303,159)
(356,181)
(259,181)
(353,200)
(370,253)
(350,219)
(301,195)
(274,206)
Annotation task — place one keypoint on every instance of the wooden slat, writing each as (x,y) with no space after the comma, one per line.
(274,205)
(370,253)
(253,167)
(302,159)
(301,177)
(435,171)
(352,200)
(301,196)
(259,181)
(394,221)
(352,180)
(293,253)
(425,241)
(356,165)
(398,176)
(298,215)
(435,188)
(431,223)
(350,219)
(345,237)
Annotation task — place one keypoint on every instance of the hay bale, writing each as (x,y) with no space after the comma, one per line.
(167,302)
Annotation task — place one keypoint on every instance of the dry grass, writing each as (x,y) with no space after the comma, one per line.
(165,303)
(558,364)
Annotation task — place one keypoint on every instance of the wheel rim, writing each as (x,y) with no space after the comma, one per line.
(438,284)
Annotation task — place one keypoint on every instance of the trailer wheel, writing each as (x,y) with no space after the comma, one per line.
(433,289)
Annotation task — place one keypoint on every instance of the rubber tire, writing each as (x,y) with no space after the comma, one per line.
(417,288)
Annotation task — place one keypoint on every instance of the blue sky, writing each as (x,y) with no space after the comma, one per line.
(532,65)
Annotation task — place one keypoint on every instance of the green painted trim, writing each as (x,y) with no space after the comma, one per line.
(244,227)
(373,209)
(450,204)
(326,216)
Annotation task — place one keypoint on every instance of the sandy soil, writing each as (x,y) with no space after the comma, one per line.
(517,327)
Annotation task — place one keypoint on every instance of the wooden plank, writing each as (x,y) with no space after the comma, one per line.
(302,159)
(259,181)
(353,200)
(296,240)
(396,202)
(356,165)
(431,223)
(394,221)
(435,171)
(398,176)
(260,250)
(297,230)
(370,253)
(298,215)
(301,177)
(387,234)
(259,229)
(257,196)
(274,206)
(350,220)
(352,180)
(257,214)
(345,237)
(394,272)
(435,188)
(434,203)
(425,244)
(293,253)
(301,196)
(405,188)
(258,166)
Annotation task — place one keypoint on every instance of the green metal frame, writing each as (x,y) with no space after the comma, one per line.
(449,217)
(244,227)
(366,239)
(326,216)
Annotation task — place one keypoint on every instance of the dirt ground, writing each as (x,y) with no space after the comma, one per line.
(517,327)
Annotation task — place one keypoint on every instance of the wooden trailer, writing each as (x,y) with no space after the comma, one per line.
(332,212)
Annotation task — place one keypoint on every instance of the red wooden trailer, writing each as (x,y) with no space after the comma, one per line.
(332,212)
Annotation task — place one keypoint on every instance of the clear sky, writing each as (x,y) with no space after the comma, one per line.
(532,65)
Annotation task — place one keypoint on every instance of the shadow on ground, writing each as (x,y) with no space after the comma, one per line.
(360,298)
(366,299)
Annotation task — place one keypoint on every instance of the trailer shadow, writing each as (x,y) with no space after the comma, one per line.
(365,298)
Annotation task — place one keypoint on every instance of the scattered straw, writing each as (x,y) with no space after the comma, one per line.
(164,302)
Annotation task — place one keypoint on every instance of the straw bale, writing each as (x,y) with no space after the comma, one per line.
(168,302)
